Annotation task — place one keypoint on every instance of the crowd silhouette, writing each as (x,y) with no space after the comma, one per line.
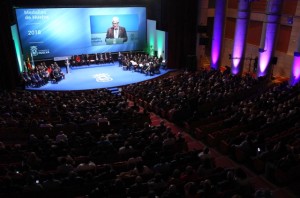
(98,144)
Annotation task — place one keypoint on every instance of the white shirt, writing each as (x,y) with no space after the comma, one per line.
(116,33)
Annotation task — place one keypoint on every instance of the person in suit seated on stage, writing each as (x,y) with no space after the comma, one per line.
(56,73)
(156,66)
(26,79)
(101,59)
(82,59)
(152,69)
(133,65)
(116,31)
(78,60)
(91,58)
(160,59)
(106,60)
(126,64)
(110,58)
(86,59)
(73,60)
(58,69)
(97,58)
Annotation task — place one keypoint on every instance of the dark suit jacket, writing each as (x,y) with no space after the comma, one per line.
(122,33)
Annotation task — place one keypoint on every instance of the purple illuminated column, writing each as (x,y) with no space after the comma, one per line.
(268,38)
(295,76)
(218,34)
(240,37)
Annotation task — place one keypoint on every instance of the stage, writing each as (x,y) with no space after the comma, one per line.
(108,75)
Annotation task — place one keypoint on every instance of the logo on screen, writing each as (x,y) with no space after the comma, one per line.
(34,50)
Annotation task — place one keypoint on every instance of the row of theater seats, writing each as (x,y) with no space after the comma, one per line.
(240,125)
(36,160)
(195,174)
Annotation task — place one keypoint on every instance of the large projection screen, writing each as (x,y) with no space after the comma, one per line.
(56,32)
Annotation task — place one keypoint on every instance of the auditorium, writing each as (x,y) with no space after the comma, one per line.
(150,98)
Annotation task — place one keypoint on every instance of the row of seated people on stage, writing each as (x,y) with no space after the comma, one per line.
(87,59)
(41,74)
(143,63)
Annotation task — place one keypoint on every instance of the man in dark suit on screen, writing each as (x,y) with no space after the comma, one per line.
(116,31)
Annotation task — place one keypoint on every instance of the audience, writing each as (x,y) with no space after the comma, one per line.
(95,142)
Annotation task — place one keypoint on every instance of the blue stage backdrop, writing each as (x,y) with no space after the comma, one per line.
(56,32)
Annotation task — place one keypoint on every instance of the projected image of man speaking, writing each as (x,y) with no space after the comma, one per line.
(116,32)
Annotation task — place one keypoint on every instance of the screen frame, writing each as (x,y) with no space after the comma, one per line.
(144,43)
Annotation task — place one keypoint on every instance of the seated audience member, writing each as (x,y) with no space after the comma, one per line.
(247,146)
(189,174)
(162,167)
(288,161)
(244,187)
(84,167)
(51,184)
(263,193)
(161,127)
(33,161)
(181,143)
(73,180)
(207,189)
(228,183)
(131,162)
(138,189)
(64,167)
(138,170)
(157,184)
(169,142)
(191,190)
(65,156)
(205,157)
(61,137)
(171,192)
(118,188)
(46,124)
(32,185)
(141,169)
(175,179)
(126,151)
